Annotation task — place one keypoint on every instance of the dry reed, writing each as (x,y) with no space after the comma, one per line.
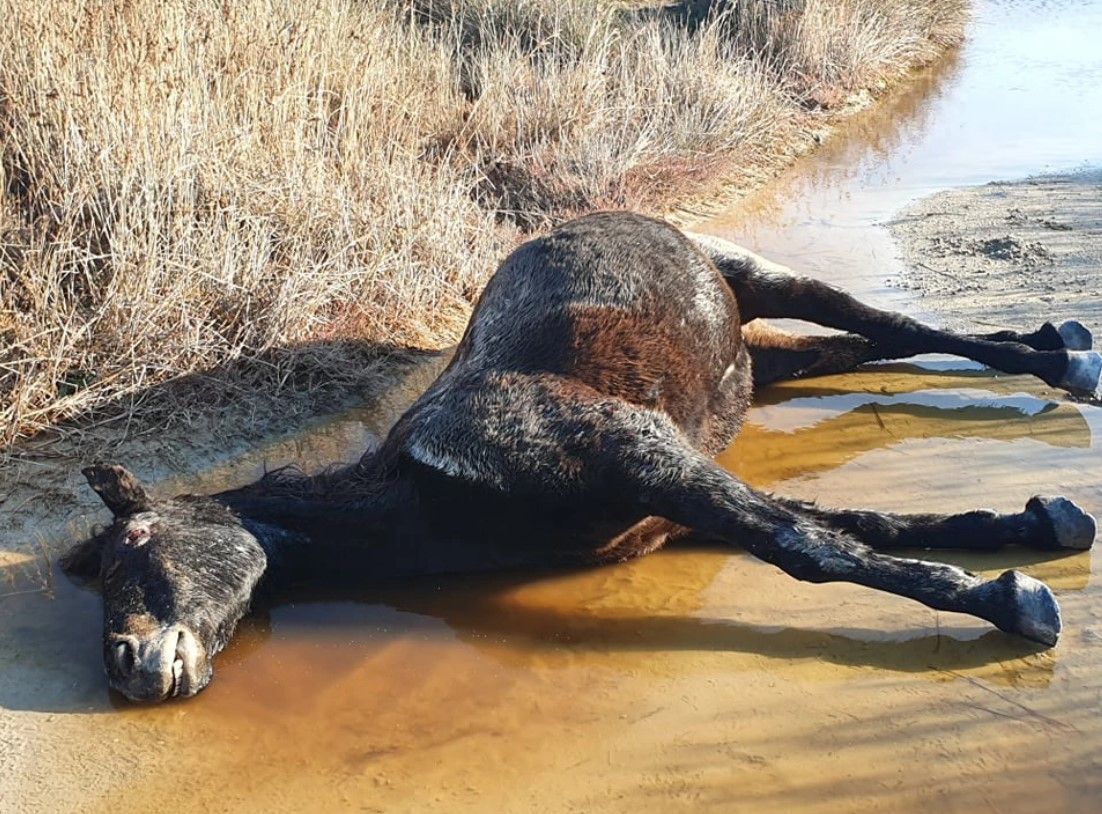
(189,184)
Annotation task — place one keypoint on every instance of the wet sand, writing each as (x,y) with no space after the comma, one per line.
(1007,253)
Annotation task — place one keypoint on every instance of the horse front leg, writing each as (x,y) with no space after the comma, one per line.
(1047,524)
(675,482)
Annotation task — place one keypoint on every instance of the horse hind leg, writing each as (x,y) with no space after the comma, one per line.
(764,289)
(1068,335)
(779,355)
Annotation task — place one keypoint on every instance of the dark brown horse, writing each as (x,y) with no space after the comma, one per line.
(604,367)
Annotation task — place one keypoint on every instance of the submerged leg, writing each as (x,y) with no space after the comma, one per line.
(765,290)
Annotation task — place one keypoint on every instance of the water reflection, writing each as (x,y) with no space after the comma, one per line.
(800,429)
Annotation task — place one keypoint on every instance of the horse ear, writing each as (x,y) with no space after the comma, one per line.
(82,561)
(119,489)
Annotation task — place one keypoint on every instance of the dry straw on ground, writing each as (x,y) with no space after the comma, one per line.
(188,184)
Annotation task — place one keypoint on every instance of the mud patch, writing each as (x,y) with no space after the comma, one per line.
(1006,247)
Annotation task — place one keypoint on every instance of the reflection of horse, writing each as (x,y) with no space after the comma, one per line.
(604,366)
(822,425)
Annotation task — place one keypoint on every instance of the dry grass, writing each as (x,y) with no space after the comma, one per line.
(192,183)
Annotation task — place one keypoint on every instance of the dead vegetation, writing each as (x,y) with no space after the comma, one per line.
(189,184)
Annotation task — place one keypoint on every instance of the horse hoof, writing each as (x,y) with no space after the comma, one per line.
(1071,526)
(1036,615)
(1083,373)
(1076,335)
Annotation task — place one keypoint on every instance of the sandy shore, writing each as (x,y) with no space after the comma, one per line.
(1008,254)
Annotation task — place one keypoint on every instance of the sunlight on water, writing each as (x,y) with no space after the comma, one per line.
(697,679)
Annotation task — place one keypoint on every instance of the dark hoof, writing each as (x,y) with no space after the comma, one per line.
(1075,335)
(1071,526)
(1034,613)
(1083,373)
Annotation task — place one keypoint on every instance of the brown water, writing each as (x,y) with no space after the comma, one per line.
(689,679)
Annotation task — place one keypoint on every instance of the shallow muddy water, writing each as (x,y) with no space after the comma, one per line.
(691,679)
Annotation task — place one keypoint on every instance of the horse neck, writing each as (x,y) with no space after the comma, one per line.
(349,524)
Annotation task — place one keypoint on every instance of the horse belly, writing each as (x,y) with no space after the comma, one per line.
(673,365)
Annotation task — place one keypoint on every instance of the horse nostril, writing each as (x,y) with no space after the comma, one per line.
(126,656)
